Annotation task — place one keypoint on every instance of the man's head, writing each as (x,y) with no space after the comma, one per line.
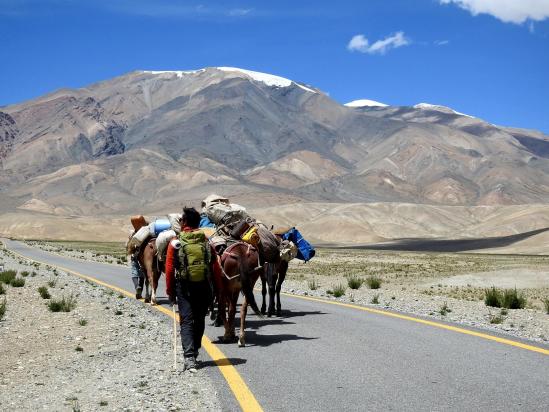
(190,217)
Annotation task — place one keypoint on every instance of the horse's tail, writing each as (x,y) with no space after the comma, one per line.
(247,287)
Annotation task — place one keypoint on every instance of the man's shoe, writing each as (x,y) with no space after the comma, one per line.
(138,292)
(191,365)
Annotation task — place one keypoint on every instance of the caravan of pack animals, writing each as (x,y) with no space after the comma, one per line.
(238,248)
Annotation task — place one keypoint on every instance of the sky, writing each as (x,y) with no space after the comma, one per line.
(487,58)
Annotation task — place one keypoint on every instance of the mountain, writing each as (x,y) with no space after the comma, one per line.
(149,141)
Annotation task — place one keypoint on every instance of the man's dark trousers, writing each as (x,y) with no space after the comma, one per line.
(193,299)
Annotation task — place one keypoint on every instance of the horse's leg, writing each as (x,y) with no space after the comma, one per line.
(271,281)
(282,269)
(263,292)
(155,277)
(242,336)
(229,329)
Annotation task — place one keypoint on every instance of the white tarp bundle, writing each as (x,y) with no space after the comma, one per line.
(162,243)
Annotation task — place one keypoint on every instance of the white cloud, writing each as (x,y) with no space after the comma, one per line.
(509,11)
(361,44)
(239,12)
(442,42)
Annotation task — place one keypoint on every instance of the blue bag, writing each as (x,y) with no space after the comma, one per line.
(305,251)
(205,221)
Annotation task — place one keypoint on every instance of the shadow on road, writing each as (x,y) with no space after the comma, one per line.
(450,245)
(223,362)
(253,339)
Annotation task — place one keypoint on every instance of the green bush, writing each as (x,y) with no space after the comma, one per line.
(546,303)
(7,276)
(339,290)
(513,300)
(373,282)
(44,292)
(375,300)
(496,319)
(492,297)
(65,304)
(444,310)
(2,290)
(2,309)
(313,284)
(355,282)
(18,282)
(25,274)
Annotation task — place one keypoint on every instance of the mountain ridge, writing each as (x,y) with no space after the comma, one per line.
(144,139)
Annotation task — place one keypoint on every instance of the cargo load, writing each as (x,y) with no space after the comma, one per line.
(162,242)
(225,214)
(305,251)
(138,222)
(268,245)
(158,226)
(288,250)
(137,239)
(174,219)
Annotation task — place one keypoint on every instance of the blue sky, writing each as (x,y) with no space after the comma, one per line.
(482,57)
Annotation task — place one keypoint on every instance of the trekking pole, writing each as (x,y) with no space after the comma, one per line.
(174,339)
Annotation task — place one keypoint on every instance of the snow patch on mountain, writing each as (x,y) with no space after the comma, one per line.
(179,73)
(268,79)
(439,108)
(365,103)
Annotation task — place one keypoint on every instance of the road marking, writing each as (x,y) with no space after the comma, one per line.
(427,322)
(242,393)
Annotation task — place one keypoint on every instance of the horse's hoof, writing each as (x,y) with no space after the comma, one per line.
(279,313)
(147,300)
(263,310)
(241,343)
(138,293)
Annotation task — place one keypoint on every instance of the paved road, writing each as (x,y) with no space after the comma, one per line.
(322,357)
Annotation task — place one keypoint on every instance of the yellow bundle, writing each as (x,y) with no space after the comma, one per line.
(251,236)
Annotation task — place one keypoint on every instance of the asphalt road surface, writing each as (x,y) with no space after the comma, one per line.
(323,357)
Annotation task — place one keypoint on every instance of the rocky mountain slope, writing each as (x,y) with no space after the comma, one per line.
(76,162)
(148,140)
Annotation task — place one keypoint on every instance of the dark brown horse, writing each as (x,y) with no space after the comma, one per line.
(273,276)
(149,263)
(239,272)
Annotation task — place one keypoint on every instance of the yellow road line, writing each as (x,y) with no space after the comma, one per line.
(242,393)
(428,322)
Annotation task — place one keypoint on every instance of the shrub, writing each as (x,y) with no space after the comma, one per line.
(79,349)
(2,309)
(313,284)
(339,290)
(492,297)
(496,319)
(444,309)
(18,282)
(44,292)
(25,274)
(2,290)
(118,313)
(65,304)
(355,282)
(52,282)
(82,322)
(513,300)
(7,276)
(375,300)
(546,303)
(373,282)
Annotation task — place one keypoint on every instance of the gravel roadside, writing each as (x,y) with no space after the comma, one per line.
(109,352)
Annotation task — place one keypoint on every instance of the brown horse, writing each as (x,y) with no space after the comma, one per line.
(149,263)
(239,272)
(273,276)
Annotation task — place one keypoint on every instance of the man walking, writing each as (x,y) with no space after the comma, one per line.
(189,268)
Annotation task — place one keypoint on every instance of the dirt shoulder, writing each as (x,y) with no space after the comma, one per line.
(109,352)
